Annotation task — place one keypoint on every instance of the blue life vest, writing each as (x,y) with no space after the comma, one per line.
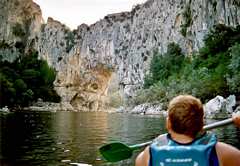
(166,152)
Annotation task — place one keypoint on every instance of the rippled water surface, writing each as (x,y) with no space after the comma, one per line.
(58,139)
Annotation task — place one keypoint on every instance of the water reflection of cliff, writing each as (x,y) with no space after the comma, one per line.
(80,134)
(84,133)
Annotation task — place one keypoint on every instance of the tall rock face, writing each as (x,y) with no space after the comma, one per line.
(20,23)
(82,80)
(114,53)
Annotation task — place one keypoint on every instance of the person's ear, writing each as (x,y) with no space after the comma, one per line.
(168,124)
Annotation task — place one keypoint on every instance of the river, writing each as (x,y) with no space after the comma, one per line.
(61,138)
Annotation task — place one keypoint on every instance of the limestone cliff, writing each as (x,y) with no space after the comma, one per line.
(114,53)
(20,23)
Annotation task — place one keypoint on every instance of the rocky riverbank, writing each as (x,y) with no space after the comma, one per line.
(54,107)
(48,106)
(4,110)
(144,109)
(218,107)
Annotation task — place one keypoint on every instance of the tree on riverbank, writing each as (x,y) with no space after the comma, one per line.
(214,70)
(25,80)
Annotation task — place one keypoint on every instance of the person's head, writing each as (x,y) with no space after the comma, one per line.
(185,115)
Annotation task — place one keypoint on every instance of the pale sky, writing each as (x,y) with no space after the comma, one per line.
(75,12)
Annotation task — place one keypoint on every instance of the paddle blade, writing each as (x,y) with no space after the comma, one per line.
(114,152)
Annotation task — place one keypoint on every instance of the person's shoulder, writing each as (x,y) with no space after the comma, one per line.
(226,148)
(143,158)
(227,154)
(161,139)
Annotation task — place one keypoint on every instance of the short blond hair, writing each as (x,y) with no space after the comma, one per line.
(185,113)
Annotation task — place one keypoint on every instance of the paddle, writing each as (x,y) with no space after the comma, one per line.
(118,151)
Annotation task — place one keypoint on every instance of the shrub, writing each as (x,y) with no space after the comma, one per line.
(47,94)
(219,39)
(20,85)
(31,77)
(8,93)
(27,97)
(25,80)
(43,26)
(213,71)
(18,30)
(183,30)
(47,73)
(155,93)
(187,20)
(69,37)
(162,66)
(233,77)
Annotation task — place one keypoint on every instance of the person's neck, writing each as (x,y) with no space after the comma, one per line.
(181,138)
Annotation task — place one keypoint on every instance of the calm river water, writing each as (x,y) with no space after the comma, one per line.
(58,139)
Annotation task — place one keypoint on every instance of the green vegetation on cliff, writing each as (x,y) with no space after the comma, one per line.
(187,20)
(214,70)
(25,80)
